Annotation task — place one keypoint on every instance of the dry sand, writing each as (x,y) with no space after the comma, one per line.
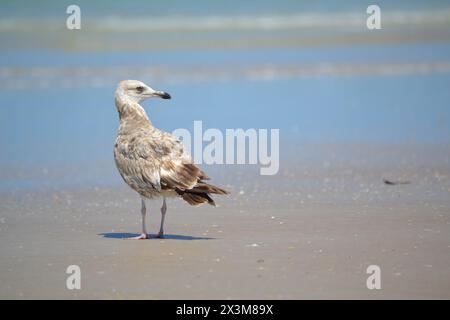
(309,232)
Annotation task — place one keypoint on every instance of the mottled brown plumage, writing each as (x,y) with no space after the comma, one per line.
(153,162)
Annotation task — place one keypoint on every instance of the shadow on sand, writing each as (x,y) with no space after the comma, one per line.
(122,235)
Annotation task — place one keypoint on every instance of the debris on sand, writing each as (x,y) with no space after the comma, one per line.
(394,183)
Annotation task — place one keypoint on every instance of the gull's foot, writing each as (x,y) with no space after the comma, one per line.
(143,236)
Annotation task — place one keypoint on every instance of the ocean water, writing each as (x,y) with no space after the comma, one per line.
(309,68)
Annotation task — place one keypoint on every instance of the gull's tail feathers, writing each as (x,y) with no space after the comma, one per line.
(200,194)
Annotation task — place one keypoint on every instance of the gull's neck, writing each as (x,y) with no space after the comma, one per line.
(130,110)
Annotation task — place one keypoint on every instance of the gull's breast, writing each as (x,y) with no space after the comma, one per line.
(140,174)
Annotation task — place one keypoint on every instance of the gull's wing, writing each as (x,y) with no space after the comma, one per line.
(156,159)
(177,170)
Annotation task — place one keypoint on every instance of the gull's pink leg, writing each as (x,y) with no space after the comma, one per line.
(163,215)
(144,234)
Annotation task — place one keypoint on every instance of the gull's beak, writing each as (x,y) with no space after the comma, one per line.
(162,94)
(149,93)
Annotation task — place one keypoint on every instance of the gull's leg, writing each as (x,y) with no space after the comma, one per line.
(144,234)
(163,215)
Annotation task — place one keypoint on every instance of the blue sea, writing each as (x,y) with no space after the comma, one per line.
(309,68)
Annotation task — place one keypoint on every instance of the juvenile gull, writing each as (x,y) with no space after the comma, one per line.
(153,162)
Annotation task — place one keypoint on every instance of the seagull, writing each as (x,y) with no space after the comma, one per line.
(153,162)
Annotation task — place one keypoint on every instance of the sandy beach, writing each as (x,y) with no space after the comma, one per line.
(308,233)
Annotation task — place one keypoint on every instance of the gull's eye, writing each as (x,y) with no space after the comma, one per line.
(139,89)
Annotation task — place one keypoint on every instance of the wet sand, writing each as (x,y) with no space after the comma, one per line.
(308,233)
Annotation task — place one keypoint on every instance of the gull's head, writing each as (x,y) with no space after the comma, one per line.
(137,91)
